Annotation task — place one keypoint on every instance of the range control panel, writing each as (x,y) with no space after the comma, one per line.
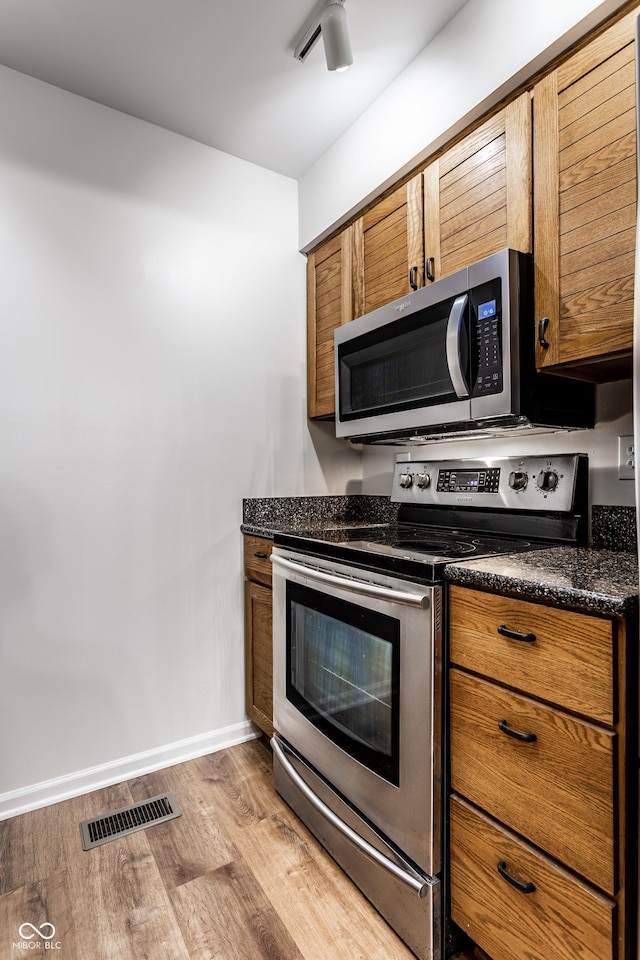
(545,483)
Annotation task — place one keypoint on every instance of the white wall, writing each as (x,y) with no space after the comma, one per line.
(613,416)
(152,373)
(486,50)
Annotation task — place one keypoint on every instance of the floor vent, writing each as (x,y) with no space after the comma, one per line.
(128,820)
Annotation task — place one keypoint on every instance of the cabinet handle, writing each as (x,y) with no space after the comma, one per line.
(510,732)
(262,556)
(429,266)
(516,635)
(413,278)
(522,887)
(542,329)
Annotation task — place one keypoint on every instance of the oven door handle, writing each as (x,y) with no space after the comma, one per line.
(402,870)
(454,338)
(353,585)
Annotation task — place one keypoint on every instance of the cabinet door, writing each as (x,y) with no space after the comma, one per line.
(258,640)
(388,249)
(329,305)
(477,195)
(585,208)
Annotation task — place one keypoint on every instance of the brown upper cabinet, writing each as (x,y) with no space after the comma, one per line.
(388,253)
(329,305)
(585,208)
(558,180)
(477,194)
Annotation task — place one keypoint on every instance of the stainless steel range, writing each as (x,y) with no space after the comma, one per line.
(359,657)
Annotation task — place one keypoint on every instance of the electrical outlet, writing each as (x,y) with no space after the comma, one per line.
(626,458)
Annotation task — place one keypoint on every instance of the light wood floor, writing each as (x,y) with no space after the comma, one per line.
(236,877)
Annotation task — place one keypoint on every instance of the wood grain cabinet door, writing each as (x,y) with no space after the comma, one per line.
(329,305)
(258,640)
(585,208)
(388,249)
(477,195)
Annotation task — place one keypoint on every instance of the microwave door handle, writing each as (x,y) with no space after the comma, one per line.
(454,334)
(401,870)
(353,584)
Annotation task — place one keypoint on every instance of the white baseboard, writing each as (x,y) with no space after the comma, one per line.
(94,778)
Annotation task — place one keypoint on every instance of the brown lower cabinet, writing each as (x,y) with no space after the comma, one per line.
(542,836)
(551,914)
(258,632)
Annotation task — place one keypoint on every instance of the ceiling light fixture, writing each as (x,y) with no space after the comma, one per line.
(332,24)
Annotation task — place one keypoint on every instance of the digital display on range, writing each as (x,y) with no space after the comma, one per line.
(469,481)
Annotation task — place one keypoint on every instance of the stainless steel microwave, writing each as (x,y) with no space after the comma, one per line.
(454,358)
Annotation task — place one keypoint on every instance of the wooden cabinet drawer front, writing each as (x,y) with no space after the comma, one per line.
(257,565)
(570,662)
(562,918)
(557,791)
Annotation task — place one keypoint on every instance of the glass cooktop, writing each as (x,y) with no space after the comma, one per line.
(395,546)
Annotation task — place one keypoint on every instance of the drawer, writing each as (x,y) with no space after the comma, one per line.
(569,661)
(557,790)
(562,918)
(257,565)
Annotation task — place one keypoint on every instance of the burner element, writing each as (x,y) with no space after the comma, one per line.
(440,548)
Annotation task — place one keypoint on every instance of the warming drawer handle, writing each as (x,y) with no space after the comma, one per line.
(522,887)
(355,586)
(516,635)
(405,873)
(510,732)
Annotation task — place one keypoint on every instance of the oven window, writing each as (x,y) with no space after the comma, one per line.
(343,665)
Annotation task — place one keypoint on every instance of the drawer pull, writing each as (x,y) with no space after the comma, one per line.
(262,556)
(515,635)
(522,737)
(522,887)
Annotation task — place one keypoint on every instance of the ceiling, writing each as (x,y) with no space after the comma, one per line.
(221,71)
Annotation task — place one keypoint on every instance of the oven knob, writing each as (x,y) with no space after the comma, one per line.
(518,479)
(547,480)
(423,480)
(405,479)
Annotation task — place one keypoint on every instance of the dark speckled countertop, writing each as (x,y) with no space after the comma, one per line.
(265,516)
(592,581)
(602,581)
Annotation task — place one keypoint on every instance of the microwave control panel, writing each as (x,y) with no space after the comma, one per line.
(487,316)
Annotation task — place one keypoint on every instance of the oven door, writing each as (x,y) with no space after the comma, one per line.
(357,678)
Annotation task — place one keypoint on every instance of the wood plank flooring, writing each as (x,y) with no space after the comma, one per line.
(236,877)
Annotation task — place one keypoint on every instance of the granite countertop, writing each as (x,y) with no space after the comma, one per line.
(264,517)
(592,581)
(601,580)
